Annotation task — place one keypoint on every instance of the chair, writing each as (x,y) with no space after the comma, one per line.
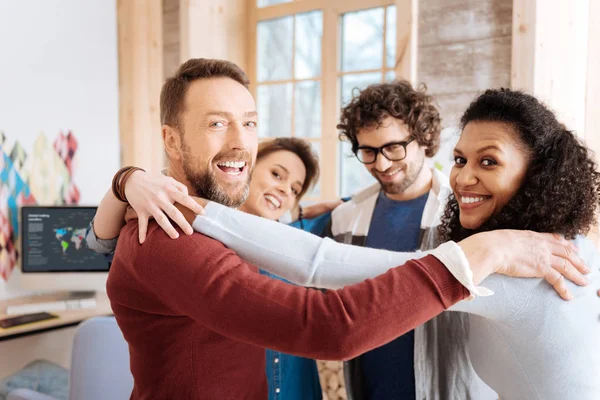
(99,364)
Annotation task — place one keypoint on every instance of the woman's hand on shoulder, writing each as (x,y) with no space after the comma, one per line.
(155,196)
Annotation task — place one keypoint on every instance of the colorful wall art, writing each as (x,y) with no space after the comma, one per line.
(43,176)
(59,112)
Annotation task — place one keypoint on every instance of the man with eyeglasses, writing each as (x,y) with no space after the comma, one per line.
(393,127)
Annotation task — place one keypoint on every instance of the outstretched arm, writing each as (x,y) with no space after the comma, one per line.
(211,284)
(308,260)
(301,257)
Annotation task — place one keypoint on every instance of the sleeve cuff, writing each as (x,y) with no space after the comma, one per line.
(211,214)
(452,256)
(103,246)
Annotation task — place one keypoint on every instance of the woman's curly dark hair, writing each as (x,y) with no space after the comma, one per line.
(561,189)
(396,99)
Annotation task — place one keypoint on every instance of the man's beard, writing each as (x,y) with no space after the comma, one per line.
(206,184)
(412,172)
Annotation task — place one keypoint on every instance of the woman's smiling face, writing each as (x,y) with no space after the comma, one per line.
(277,180)
(490,163)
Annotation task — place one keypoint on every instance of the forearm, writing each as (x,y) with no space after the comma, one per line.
(109,217)
(231,299)
(293,254)
(361,317)
(102,246)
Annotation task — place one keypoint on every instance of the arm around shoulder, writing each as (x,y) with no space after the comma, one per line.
(212,285)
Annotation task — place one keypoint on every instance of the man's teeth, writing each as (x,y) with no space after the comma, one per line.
(469,200)
(273,200)
(232,164)
(390,173)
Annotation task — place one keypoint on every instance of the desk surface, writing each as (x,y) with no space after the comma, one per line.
(65,318)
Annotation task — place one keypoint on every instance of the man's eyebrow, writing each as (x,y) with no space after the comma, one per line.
(227,114)
(219,113)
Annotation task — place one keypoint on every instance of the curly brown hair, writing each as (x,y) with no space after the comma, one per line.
(561,189)
(396,99)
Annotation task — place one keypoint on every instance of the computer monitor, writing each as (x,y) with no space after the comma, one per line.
(54,252)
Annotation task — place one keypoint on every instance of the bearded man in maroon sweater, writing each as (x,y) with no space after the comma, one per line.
(197,317)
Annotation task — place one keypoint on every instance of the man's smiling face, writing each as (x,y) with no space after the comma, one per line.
(218,139)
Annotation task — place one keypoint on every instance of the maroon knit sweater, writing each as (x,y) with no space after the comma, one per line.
(197,317)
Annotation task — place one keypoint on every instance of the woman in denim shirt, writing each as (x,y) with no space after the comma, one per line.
(286,168)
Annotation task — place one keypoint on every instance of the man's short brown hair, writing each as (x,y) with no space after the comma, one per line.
(394,99)
(174,89)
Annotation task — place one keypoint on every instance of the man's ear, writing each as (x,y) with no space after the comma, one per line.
(172,142)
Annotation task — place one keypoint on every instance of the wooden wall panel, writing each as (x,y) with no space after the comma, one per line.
(466,67)
(592,98)
(204,28)
(592,120)
(560,72)
(407,39)
(453,21)
(523,45)
(453,105)
(140,81)
(550,55)
(464,47)
(214,29)
(172,54)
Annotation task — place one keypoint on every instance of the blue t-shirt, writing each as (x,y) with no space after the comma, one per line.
(389,370)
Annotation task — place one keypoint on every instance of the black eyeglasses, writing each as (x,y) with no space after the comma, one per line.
(395,151)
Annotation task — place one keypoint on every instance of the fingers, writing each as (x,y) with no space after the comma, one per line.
(555,238)
(143,228)
(564,250)
(557,281)
(164,222)
(565,268)
(180,186)
(177,217)
(188,202)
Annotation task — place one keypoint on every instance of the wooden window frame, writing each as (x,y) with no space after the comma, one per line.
(405,66)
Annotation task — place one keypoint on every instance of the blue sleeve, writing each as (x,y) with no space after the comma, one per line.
(103,246)
(316,226)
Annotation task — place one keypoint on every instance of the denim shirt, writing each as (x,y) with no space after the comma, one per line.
(291,377)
